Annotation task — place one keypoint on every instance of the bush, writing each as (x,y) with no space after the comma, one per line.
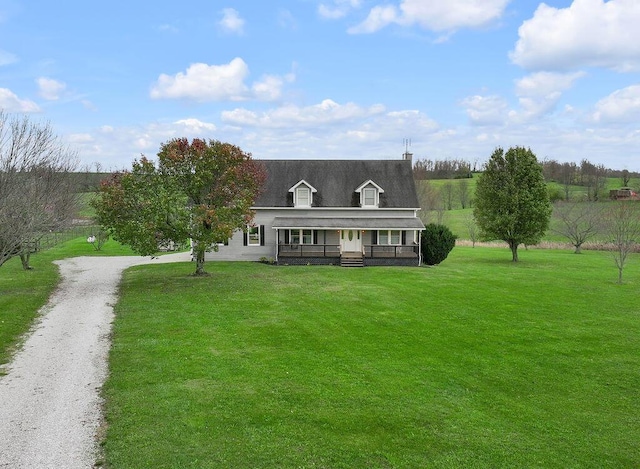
(437,243)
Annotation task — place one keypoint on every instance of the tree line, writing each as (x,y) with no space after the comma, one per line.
(592,177)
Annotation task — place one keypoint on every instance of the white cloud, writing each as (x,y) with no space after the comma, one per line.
(7,58)
(587,33)
(620,106)
(379,17)
(485,110)
(269,88)
(168,28)
(82,138)
(50,89)
(540,92)
(287,20)
(434,16)
(337,9)
(327,112)
(88,105)
(231,22)
(10,102)
(195,125)
(202,82)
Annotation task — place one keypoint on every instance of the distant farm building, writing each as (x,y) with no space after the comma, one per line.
(624,193)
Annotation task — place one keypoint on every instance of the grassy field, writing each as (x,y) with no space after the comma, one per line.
(476,363)
(23,293)
(457,220)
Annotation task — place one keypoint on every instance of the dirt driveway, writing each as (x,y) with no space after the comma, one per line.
(50,397)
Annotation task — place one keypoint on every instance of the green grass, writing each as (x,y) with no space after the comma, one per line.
(477,363)
(23,293)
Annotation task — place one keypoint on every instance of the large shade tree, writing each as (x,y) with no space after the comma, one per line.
(199,190)
(511,199)
(37,193)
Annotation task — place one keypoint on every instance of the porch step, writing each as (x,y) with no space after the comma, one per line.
(351,260)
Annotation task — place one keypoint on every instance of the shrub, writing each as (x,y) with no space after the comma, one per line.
(437,243)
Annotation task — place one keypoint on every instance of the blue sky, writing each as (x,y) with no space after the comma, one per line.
(330,79)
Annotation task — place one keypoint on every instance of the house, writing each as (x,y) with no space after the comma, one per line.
(347,212)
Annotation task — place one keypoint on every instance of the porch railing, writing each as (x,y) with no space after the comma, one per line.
(333,250)
(309,250)
(379,250)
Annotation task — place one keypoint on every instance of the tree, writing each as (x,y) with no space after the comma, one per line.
(626,177)
(577,221)
(201,191)
(623,231)
(437,243)
(447,192)
(511,199)
(36,188)
(472,228)
(463,192)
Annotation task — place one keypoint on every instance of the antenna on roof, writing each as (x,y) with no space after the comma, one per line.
(407,143)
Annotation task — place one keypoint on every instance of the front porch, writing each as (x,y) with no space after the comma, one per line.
(375,240)
(331,254)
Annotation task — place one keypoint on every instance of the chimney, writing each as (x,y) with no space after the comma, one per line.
(407,156)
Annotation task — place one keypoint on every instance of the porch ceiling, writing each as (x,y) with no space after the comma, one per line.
(353,223)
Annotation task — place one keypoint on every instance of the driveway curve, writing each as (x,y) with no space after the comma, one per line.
(50,405)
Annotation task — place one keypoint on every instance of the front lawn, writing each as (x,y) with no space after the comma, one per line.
(478,362)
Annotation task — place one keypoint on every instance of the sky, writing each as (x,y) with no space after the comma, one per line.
(329,79)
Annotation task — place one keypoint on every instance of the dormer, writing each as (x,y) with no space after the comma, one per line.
(369,194)
(303,194)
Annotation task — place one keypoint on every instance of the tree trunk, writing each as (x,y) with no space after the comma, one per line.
(514,250)
(199,256)
(25,256)
(578,249)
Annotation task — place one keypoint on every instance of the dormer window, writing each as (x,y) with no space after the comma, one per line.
(369,194)
(369,197)
(303,197)
(303,194)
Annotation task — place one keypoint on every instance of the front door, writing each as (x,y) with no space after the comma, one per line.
(351,241)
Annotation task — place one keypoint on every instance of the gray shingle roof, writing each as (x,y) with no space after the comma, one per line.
(337,180)
(374,223)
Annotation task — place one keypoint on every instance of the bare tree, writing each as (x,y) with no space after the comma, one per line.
(428,199)
(623,231)
(463,192)
(36,190)
(447,192)
(577,221)
(472,228)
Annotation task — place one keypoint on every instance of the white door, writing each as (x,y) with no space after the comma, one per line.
(351,241)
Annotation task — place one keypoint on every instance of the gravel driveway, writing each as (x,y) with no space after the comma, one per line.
(50,397)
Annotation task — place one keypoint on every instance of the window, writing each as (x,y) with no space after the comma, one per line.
(307,237)
(302,237)
(389,237)
(369,193)
(302,197)
(369,197)
(303,194)
(254,236)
